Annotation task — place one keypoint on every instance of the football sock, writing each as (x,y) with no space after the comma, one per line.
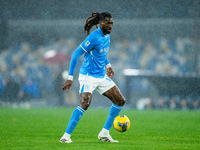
(114,112)
(76,116)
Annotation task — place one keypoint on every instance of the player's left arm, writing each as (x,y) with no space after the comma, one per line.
(110,71)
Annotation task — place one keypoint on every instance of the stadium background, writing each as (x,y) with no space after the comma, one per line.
(159,39)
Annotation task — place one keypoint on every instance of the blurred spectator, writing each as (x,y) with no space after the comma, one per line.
(144,103)
(189,100)
(29,90)
(10,90)
(162,103)
(195,104)
(173,103)
(184,104)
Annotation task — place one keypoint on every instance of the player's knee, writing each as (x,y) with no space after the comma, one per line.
(85,104)
(85,101)
(122,101)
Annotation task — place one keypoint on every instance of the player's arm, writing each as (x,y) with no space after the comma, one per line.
(75,56)
(110,71)
(85,46)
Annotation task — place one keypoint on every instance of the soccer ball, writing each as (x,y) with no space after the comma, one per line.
(121,123)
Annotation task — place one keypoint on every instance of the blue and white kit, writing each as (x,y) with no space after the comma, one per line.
(92,76)
(95,47)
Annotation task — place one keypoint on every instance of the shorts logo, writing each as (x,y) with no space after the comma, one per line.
(87,43)
(87,87)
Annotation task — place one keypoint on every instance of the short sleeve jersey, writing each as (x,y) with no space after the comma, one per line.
(96,47)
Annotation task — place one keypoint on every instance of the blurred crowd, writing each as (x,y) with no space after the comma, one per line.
(162,56)
(178,102)
(28,71)
(12,91)
(166,102)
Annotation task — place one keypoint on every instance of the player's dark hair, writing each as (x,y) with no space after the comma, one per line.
(94,20)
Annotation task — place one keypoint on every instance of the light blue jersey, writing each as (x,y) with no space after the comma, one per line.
(95,47)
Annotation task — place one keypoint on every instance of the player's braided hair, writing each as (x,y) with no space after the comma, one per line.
(94,20)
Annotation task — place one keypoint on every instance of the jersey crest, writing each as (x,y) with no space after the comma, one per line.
(87,43)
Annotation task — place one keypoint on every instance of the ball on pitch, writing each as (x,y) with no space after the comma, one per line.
(121,123)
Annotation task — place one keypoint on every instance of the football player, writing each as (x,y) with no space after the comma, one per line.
(92,74)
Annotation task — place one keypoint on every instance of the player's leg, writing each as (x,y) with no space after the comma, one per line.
(85,101)
(118,101)
(75,117)
(115,96)
(110,90)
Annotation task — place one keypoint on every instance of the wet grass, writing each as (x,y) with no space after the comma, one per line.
(42,128)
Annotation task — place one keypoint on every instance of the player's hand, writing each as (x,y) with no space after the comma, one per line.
(67,85)
(110,72)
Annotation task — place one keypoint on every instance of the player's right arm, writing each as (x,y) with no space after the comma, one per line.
(85,46)
(75,56)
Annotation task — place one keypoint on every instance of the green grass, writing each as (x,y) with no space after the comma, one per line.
(42,128)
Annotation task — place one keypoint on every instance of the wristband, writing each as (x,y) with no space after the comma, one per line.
(70,77)
(108,65)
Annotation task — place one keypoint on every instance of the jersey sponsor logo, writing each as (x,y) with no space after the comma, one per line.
(101,51)
(87,43)
(104,50)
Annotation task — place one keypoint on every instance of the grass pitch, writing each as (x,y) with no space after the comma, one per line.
(42,128)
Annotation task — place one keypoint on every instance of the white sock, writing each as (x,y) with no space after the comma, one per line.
(105,131)
(66,135)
